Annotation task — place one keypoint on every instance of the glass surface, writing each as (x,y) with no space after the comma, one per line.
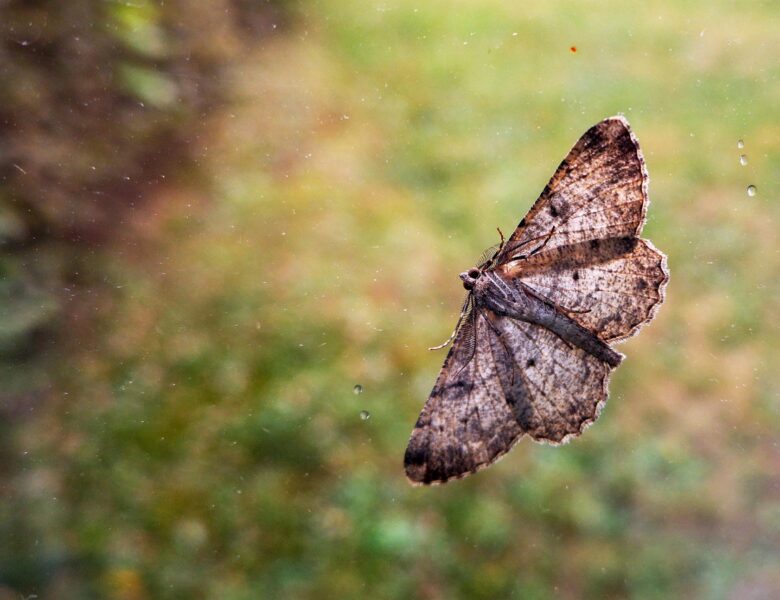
(230,230)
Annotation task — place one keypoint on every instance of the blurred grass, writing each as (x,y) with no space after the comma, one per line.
(202,437)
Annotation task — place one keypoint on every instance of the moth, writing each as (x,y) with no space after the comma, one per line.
(532,351)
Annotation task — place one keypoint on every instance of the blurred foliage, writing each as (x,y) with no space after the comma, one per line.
(194,430)
(102,104)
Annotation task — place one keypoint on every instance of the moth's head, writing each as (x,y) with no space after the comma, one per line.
(470,277)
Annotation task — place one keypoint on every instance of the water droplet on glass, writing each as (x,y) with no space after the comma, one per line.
(740,144)
(365,415)
(358,389)
(751,190)
(743,159)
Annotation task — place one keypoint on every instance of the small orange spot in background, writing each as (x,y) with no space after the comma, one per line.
(573,49)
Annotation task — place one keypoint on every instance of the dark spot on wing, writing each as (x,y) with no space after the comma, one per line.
(433,473)
(415,455)
(522,411)
(459,384)
(553,210)
(594,244)
(595,137)
(575,276)
(531,362)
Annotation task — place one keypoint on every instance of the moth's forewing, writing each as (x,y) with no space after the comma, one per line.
(589,217)
(599,191)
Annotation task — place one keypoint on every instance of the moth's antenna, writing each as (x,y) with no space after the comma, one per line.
(501,246)
(463,312)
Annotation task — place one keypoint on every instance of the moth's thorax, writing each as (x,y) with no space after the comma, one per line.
(492,290)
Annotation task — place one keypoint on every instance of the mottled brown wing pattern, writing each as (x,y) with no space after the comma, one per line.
(520,379)
(578,253)
(564,386)
(599,191)
(611,287)
(585,227)
(467,422)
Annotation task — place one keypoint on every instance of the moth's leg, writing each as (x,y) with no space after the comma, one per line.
(533,292)
(572,310)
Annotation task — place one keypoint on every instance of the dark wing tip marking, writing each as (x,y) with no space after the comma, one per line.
(416,458)
(420,474)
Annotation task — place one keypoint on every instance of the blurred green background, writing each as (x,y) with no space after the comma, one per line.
(217,219)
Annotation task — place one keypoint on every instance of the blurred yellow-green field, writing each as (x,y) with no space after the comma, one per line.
(218,219)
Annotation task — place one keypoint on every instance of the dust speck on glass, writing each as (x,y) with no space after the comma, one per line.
(365,415)
(358,389)
(752,190)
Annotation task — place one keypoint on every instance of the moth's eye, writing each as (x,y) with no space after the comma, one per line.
(474,273)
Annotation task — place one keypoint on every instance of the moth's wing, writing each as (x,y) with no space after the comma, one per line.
(561,388)
(585,227)
(521,378)
(467,422)
(611,287)
(599,191)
